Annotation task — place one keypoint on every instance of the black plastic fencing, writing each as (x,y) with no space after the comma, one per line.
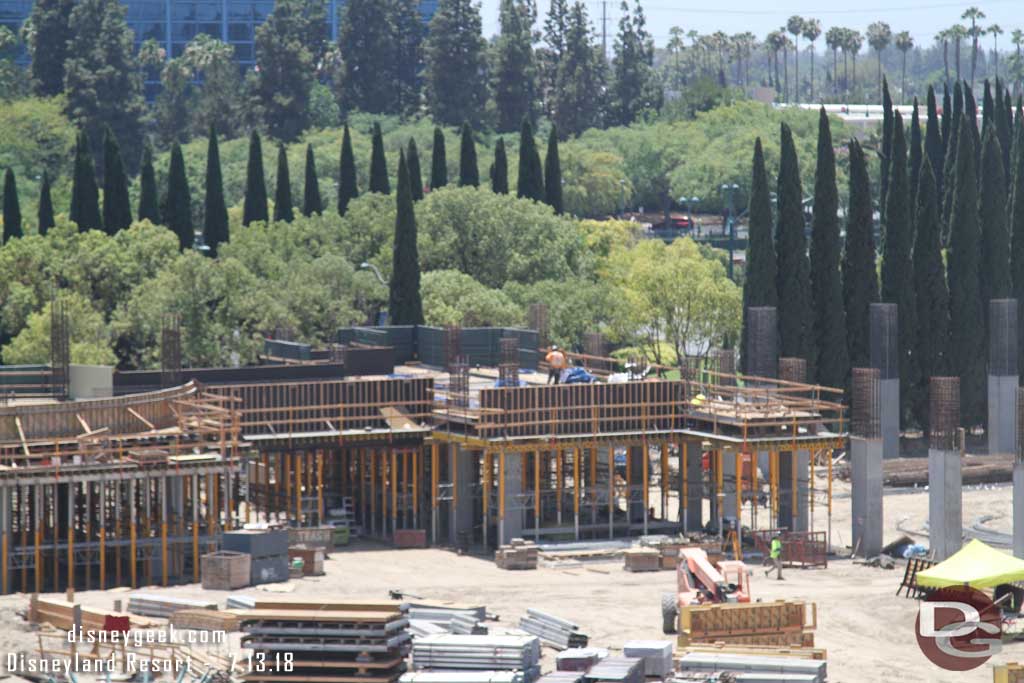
(479,345)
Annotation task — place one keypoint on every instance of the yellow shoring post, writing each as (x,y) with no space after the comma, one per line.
(195,528)
(373,490)
(795,471)
(320,487)
(559,473)
(394,489)
(433,475)
(298,488)
(645,474)
(536,488)
(501,489)
(486,498)
(664,481)
(739,490)
(684,482)
(576,489)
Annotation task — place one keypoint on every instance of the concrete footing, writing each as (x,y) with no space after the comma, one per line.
(945,504)
(866,493)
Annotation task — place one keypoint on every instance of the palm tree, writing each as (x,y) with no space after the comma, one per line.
(855,42)
(776,40)
(879,37)
(1017,37)
(975,32)
(795,25)
(957,32)
(995,30)
(834,40)
(904,42)
(944,37)
(720,44)
(812,29)
(675,47)
(786,44)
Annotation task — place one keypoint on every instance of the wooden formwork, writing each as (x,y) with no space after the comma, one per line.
(779,623)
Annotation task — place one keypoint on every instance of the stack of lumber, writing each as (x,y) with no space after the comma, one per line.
(616,670)
(656,655)
(782,623)
(163,606)
(553,631)
(758,650)
(61,614)
(519,554)
(579,659)
(483,653)
(642,560)
(207,620)
(226,570)
(312,559)
(327,646)
(777,668)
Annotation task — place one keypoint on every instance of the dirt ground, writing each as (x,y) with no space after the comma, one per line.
(867,630)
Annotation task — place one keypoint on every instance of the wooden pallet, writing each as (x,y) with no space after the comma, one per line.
(909,582)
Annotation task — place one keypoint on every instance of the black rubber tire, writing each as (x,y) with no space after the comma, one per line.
(669,612)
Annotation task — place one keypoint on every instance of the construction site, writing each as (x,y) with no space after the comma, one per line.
(424,505)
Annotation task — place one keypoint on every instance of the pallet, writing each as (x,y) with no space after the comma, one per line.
(909,582)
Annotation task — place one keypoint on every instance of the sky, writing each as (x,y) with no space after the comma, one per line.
(923,18)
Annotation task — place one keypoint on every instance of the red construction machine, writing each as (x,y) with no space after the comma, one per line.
(701,581)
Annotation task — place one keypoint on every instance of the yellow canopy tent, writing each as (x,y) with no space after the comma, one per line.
(977,565)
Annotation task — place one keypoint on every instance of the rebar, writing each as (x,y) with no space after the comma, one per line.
(593,344)
(724,363)
(793,369)
(508,369)
(865,420)
(944,412)
(60,348)
(451,345)
(762,341)
(537,319)
(170,351)
(1002,337)
(884,340)
(458,386)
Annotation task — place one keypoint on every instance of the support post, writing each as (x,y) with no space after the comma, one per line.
(884,338)
(1002,377)
(866,464)
(945,517)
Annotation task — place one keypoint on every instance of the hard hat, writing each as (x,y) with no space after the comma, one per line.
(554,347)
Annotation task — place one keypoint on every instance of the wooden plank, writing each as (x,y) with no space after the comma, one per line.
(376,617)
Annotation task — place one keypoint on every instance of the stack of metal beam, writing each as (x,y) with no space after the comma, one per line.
(751,668)
(419,628)
(561,677)
(443,616)
(657,655)
(553,631)
(149,605)
(327,645)
(463,677)
(617,670)
(579,658)
(483,653)
(466,625)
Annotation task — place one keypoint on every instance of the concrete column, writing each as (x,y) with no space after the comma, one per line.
(464,463)
(512,525)
(866,494)
(885,358)
(945,516)
(1018,508)
(1002,376)
(635,503)
(785,512)
(694,512)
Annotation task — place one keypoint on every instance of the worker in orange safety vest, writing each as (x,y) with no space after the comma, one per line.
(557,362)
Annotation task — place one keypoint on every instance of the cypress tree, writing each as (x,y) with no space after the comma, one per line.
(531,174)
(283,210)
(12,209)
(117,210)
(215,210)
(971,110)
(553,173)
(149,198)
(311,199)
(1004,126)
(179,200)
(994,271)
(379,181)
(860,277)
(46,220)
(966,312)
(932,338)
(438,161)
(793,278)
(1017,222)
(886,160)
(914,154)
(85,200)
(254,208)
(762,267)
(499,170)
(412,161)
(897,268)
(947,116)
(988,109)
(348,188)
(949,172)
(469,171)
(405,305)
(831,362)
(933,146)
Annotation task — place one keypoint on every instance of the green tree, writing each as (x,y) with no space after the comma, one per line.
(1016,220)
(89,335)
(283,210)
(531,175)
(949,171)
(45,205)
(456,63)
(102,79)
(347,185)
(379,181)
(174,104)
(514,73)
(635,87)
(286,55)
(179,200)
(469,171)
(47,33)
(793,280)
(580,76)
(415,174)
(254,208)
(994,271)
(933,147)
(409,35)
(454,298)
(553,173)
(915,153)
(886,156)
(117,209)
(438,161)
(12,209)
(405,305)
(367,41)
(149,201)
(932,338)
(966,312)
(499,169)
(759,285)
(831,363)
(311,200)
(897,265)
(215,212)
(860,277)
(85,201)
(220,102)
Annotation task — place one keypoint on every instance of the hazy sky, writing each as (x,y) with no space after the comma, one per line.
(923,18)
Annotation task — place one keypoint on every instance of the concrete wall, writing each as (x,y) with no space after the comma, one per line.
(90,381)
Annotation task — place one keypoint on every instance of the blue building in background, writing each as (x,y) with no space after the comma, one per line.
(174,23)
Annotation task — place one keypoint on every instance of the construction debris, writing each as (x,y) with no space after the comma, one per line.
(62,614)
(207,620)
(656,655)
(163,606)
(519,554)
(767,668)
(312,559)
(553,631)
(484,653)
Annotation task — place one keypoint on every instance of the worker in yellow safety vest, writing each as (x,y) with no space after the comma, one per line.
(775,555)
